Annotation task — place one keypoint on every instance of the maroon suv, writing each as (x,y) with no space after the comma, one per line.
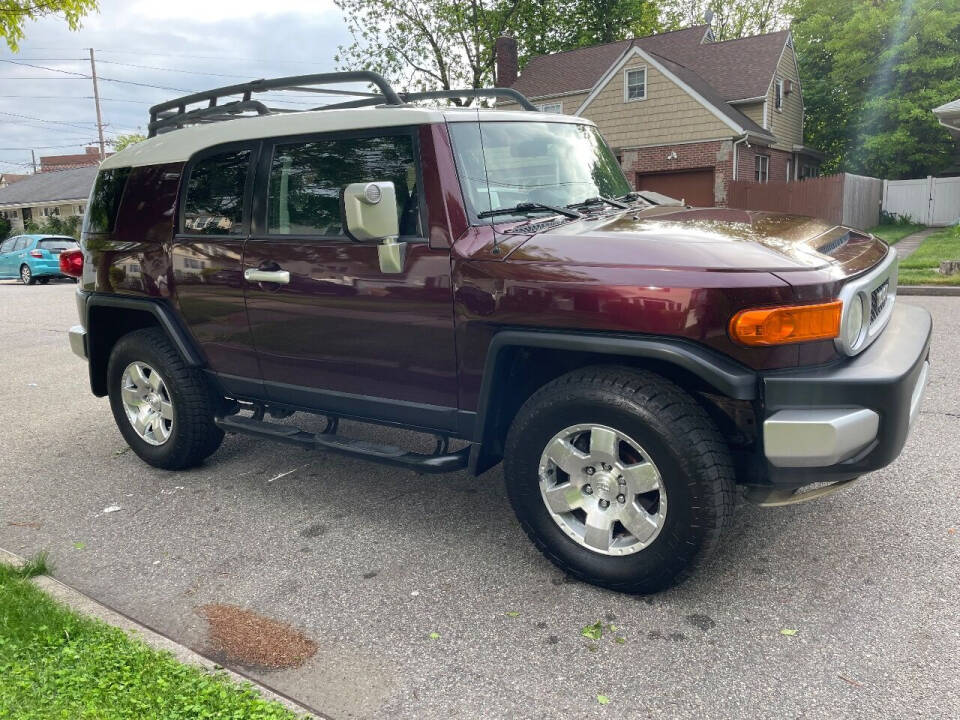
(489,277)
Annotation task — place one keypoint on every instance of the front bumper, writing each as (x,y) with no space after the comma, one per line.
(838,422)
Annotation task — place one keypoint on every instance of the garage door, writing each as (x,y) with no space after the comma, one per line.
(694,186)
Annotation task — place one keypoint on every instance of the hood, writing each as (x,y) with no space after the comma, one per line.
(705,239)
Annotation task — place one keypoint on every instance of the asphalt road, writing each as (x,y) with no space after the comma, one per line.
(369,561)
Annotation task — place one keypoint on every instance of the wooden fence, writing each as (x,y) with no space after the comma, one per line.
(843,199)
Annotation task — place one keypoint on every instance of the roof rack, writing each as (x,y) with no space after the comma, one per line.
(175,114)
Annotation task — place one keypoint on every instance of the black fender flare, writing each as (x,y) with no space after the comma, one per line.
(726,376)
(161,312)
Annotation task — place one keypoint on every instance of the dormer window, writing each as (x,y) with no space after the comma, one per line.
(635,84)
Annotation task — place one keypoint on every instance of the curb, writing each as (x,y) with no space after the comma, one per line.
(931,290)
(87,606)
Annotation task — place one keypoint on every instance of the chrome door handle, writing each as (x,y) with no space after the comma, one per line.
(281,277)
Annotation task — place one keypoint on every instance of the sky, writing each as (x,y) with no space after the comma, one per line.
(180,46)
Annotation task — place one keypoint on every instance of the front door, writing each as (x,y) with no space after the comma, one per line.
(341,335)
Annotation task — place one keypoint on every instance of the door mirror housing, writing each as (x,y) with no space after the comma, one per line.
(370,211)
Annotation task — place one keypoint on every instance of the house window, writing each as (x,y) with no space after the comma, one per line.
(635,84)
(79,209)
(789,170)
(50,211)
(762,165)
(551,107)
(778,99)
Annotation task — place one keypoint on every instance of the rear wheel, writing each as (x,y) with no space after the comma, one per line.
(619,477)
(163,408)
(26,275)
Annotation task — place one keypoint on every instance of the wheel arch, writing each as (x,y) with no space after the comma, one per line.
(109,318)
(519,362)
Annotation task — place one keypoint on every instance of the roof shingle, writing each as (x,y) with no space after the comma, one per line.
(721,72)
(50,186)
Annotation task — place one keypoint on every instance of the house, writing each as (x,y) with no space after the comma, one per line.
(10,178)
(54,194)
(55,163)
(948,115)
(684,114)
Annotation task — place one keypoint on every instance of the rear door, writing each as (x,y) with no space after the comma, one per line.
(342,335)
(206,258)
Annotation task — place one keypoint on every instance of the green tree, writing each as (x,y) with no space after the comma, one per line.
(122,141)
(872,70)
(731,18)
(14,14)
(448,44)
(5,228)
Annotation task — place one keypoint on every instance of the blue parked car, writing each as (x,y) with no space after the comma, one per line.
(33,258)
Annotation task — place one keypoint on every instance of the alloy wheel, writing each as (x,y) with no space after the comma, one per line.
(147,403)
(602,489)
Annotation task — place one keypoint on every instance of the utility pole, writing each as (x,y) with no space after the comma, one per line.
(33,156)
(96,99)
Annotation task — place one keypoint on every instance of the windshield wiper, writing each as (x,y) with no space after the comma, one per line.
(527,207)
(598,200)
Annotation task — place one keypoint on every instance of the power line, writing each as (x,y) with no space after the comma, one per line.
(74,97)
(90,77)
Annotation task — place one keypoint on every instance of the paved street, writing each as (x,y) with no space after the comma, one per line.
(368,561)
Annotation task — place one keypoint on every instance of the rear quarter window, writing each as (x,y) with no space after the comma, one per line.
(101,214)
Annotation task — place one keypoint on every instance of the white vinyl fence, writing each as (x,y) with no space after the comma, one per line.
(928,201)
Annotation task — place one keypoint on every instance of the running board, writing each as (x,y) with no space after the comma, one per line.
(375,452)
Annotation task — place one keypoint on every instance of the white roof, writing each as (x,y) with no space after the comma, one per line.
(180,145)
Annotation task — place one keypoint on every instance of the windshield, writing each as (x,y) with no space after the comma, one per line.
(503,164)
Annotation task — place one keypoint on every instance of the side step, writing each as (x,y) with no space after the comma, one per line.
(384,454)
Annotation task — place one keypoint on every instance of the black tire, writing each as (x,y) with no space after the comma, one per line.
(685,445)
(193,436)
(26,275)
(43,280)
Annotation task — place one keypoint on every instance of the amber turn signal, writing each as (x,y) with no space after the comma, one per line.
(789,324)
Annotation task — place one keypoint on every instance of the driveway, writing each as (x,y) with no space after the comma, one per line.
(369,561)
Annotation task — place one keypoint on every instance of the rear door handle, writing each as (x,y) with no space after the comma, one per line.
(281,277)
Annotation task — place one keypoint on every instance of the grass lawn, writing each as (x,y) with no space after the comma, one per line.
(892,234)
(57,664)
(921,267)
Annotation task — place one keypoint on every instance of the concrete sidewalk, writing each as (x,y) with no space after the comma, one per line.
(906,247)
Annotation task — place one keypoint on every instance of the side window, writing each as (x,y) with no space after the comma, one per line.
(22,242)
(307,178)
(214,199)
(7,245)
(105,200)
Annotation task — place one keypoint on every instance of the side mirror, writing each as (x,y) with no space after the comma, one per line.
(370,213)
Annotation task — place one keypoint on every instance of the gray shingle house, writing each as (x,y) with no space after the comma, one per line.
(51,194)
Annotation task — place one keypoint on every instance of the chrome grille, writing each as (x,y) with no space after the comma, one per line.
(878,289)
(878,299)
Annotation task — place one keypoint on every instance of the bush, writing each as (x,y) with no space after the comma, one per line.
(894,219)
(5,228)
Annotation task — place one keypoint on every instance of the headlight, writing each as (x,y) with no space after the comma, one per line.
(856,322)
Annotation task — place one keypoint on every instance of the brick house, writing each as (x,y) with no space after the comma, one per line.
(55,163)
(684,114)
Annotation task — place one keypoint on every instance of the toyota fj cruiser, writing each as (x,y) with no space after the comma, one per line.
(488,277)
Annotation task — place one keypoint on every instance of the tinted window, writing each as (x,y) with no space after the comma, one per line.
(105,200)
(7,245)
(306,180)
(214,202)
(55,245)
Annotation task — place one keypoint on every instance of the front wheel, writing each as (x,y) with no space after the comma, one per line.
(26,275)
(619,477)
(163,408)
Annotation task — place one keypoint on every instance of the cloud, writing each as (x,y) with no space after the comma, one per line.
(217,42)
